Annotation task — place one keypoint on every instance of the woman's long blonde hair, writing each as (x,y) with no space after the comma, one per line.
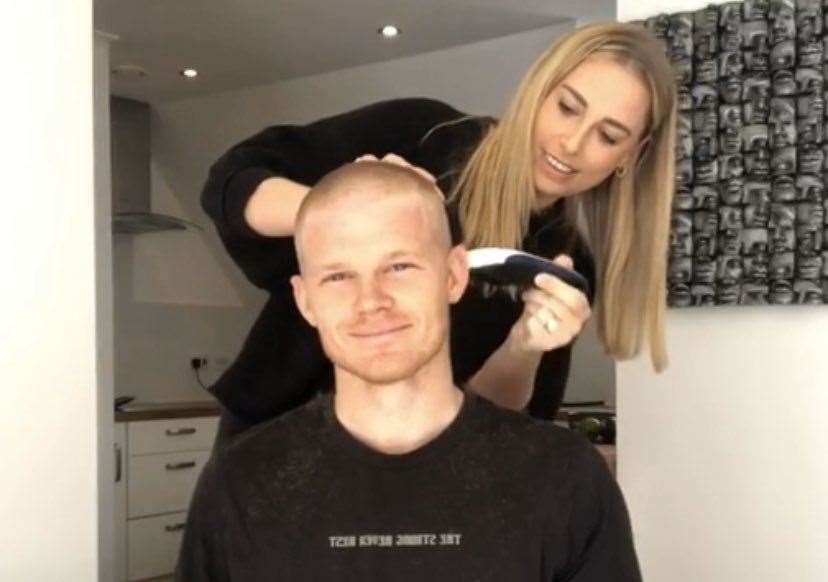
(626,218)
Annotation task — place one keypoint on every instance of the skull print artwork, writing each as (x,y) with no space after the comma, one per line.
(749,211)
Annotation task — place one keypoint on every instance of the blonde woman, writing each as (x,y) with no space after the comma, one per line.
(580,168)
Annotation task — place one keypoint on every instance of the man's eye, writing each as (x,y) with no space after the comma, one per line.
(401,266)
(334,277)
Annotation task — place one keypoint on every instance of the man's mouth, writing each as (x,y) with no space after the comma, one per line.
(558,165)
(379,332)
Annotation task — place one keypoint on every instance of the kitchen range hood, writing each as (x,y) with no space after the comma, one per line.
(130,151)
(141,222)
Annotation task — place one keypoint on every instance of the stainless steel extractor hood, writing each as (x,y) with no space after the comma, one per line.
(141,222)
(130,139)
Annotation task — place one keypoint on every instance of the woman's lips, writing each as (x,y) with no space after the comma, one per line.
(556,167)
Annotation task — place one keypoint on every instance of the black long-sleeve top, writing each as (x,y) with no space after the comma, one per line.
(281,364)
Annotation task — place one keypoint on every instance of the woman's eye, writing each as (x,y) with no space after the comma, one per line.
(608,139)
(566,109)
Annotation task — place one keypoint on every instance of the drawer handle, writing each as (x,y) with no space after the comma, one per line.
(118,463)
(176,527)
(180,431)
(177,466)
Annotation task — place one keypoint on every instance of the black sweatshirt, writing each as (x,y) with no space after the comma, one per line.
(497,496)
(281,364)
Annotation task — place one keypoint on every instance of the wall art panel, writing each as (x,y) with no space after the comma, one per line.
(750,210)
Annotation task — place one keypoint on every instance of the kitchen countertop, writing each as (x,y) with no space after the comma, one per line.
(165,410)
(608,452)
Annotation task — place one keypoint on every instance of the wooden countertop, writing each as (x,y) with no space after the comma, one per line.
(608,452)
(165,410)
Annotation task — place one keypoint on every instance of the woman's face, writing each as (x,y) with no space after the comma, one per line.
(588,125)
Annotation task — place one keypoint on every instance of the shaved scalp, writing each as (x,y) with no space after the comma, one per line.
(380,178)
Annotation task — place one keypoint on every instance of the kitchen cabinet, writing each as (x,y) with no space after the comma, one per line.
(120,545)
(161,460)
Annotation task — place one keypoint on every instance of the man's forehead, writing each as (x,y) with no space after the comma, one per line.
(379,227)
(356,195)
(366,209)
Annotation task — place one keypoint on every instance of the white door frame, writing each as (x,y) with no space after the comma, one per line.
(55,302)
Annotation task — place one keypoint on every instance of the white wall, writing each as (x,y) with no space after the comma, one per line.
(723,458)
(189,135)
(49,415)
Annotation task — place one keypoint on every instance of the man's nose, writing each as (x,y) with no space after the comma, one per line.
(372,296)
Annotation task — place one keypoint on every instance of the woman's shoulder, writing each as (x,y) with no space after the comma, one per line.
(413,110)
(446,144)
(388,116)
(446,128)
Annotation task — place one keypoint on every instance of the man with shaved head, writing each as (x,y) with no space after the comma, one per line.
(398,474)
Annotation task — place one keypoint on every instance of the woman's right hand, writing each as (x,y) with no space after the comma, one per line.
(399,161)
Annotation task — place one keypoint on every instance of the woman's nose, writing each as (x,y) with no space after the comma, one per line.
(573,139)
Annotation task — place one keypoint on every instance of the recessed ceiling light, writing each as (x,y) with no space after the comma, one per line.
(389,31)
(189,73)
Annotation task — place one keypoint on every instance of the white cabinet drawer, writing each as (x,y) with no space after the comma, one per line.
(153,544)
(167,436)
(163,483)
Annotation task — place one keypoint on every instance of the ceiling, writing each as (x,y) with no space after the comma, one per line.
(241,43)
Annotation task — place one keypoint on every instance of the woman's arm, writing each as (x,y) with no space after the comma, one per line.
(290,157)
(508,376)
(271,210)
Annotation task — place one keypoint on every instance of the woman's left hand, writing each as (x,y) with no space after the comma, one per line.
(553,313)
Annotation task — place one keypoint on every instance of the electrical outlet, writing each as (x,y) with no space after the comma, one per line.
(198,362)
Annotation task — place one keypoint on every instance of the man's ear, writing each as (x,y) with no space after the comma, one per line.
(301,298)
(458,272)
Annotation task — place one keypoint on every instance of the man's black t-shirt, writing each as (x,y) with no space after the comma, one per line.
(496,496)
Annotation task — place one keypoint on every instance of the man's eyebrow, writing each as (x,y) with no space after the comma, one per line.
(400,253)
(609,120)
(342,266)
(338,266)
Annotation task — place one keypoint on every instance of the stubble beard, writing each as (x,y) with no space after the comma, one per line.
(388,368)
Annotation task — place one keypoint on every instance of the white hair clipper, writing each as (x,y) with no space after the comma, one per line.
(510,267)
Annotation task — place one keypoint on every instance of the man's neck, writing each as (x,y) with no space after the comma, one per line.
(399,417)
